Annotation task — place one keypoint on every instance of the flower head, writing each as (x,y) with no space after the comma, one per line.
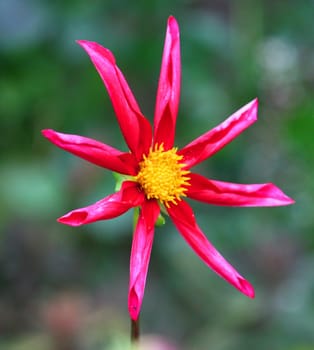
(158,175)
(161,175)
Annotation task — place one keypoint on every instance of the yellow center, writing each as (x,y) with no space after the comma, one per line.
(161,175)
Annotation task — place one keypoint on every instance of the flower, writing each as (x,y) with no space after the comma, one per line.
(156,174)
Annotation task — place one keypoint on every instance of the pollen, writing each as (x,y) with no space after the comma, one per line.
(161,175)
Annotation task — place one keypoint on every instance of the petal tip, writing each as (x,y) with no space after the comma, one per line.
(246,288)
(173,26)
(284,199)
(82,43)
(255,100)
(85,44)
(134,314)
(288,201)
(46,132)
(49,134)
(76,218)
(172,20)
(252,108)
(133,305)
(279,198)
(97,51)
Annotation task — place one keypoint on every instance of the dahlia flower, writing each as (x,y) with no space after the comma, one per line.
(156,175)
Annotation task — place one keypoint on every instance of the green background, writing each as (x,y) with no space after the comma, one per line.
(66,288)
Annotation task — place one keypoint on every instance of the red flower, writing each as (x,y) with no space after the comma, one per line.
(157,175)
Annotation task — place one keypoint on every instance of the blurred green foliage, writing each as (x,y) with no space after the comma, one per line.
(66,288)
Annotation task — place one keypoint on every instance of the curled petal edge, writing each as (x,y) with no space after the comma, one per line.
(93,151)
(109,207)
(232,194)
(215,139)
(184,220)
(135,128)
(168,92)
(140,255)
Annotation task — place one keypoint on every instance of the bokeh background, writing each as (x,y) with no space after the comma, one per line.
(66,288)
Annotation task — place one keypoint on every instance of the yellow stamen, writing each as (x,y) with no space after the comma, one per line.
(161,175)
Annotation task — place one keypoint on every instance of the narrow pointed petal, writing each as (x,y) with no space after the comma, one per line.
(231,194)
(184,219)
(168,94)
(109,207)
(140,255)
(134,126)
(214,140)
(94,151)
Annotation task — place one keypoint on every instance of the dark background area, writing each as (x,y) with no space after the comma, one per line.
(66,288)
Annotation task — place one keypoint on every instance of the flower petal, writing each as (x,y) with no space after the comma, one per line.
(183,218)
(94,151)
(168,94)
(231,194)
(140,255)
(109,207)
(212,141)
(134,126)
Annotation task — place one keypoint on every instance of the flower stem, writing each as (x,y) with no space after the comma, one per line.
(135,331)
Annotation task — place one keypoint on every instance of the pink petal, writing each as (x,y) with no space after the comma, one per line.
(231,194)
(140,255)
(214,140)
(94,151)
(134,126)
(183,218)
(109,207)
(168,95)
